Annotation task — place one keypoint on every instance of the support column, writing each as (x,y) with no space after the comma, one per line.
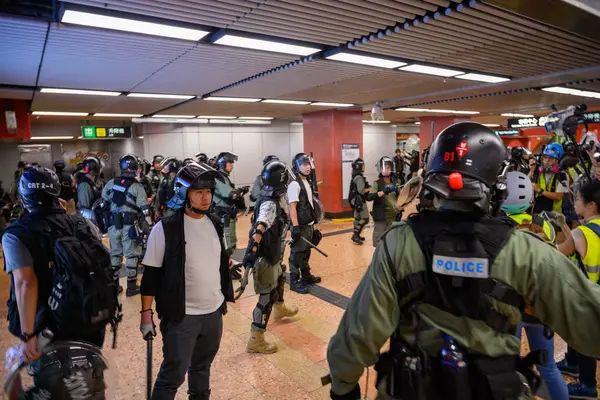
(324,134)
(432,126)
(21,109)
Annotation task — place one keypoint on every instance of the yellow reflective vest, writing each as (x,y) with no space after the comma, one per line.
(591,261)
(557,206)
(527,219)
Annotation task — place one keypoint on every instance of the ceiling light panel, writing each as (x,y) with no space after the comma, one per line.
(173,116)
(257,118)
(375,122)
(161,96)
(482,78)
(325,104)
(572,92)
(265,45)
(296,102)
(425,69)
(491,125)
(435,110)
(215,117)
(131,25)
(77,91)
(61,113)
(513,115)
(233,99)
(51,137)
(365,60)
(109,115)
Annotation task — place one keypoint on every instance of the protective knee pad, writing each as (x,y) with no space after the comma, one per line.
(116,269)
(262,311)
(132,268)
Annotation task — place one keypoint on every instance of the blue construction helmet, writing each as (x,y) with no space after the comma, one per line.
(554,150)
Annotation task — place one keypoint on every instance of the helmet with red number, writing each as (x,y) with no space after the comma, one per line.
(465,163)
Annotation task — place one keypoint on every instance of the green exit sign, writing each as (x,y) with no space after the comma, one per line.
(88,132)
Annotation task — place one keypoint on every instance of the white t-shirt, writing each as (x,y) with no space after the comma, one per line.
(203,293)
(560,188)
(294,192)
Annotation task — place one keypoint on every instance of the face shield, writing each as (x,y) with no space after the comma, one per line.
(305,161)
(386,166)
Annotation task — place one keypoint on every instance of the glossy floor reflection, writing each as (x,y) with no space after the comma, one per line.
(292,373)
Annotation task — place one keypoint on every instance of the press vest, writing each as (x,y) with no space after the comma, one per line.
(170,299)
(556,205)
(307,214)
(591,261)
(527,219)
(270,244)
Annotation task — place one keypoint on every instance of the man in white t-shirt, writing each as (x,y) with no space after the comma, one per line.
(305,211)
(187,272)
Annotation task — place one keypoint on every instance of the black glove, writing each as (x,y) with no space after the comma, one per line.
(296,234)
(250,257)
(353,395)
(316,237)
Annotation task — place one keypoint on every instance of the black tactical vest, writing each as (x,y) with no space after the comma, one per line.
(120,191)
(66,186)
(270,245)
(166,190)
(155,177)
(306,213)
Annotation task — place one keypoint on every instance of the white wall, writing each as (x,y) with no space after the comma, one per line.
(250,142)
(378,141)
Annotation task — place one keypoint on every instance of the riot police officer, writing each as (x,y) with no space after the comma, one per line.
(66,185)
(228,200)
(450,285)
(201,158)
(258,185)
(384,194)
(170,167)
(264,254)
(156,176)
(145,181)
(128,204)
(87,193)
(359,187)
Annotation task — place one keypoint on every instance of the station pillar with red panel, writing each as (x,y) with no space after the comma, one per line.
(324,134)
(21,110)
(432,126)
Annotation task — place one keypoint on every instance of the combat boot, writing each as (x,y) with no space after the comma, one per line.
(280,310)
(132,288)
(296,284)
(355,238)
(258,344)
(310,279)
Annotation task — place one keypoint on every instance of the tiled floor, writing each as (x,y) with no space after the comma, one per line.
(292,373)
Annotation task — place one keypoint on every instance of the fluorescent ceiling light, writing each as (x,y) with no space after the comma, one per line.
(173,116)
(257,118)
(140,137)
(366,121)
(482,78)
(518,115)
(425,69)
(51,137)
(266,45)
(118,115)
(61,113)
(161,96)
(465,112)
(492,125)
(417,123)
(296,123)
(77,91)
(435,110)
(325,104)
(412,109)
(219,117)
(573,92)
(240,122)
(298,102)
(366,60)
(155,120)
(238,99)
(131,25)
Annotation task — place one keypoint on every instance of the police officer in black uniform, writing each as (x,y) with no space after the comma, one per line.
(170,167)
(66,185)
(87,192)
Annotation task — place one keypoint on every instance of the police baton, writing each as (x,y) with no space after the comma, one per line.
(308,242)
(148,365)
(240,291)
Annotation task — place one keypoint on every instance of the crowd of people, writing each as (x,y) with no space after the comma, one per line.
(502,240)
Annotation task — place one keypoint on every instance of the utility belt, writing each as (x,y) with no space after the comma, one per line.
(407,372)
(120,219)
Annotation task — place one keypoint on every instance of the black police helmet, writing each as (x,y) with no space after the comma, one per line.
(91,165)
(201,158)
(172,164)
(193,176)
(299,159)
(224,158)
(188,161)
(464,162)
(129,165)
(269,158)
(157,159)
(275,176)
(358,164)
(146,166)
(59,164)
(39,187)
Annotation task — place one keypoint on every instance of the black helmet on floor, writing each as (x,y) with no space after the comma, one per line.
(301,159)
(188,161)
(201,158)
(67,371)
(193,176)
(92,165)
(357,165)
(157,159)
(465,162)
(170,164)
(275,177)
(224,158)
(39,187)
(269,158)
(129,165)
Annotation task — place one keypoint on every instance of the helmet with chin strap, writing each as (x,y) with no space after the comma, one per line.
(275,177)
(299,160)
(193,176)
(39,187)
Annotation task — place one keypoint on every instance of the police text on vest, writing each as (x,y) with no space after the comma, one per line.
(456,266)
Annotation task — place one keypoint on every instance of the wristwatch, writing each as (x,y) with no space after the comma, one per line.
(26,337)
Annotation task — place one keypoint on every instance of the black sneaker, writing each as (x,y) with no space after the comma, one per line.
(299,287)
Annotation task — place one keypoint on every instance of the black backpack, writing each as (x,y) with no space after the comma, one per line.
(82,292)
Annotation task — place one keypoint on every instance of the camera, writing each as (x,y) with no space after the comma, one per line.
(565,122)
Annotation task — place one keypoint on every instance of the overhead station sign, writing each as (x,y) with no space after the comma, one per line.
(534,122)
(97,132)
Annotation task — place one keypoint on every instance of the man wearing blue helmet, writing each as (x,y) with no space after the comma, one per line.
(548,180)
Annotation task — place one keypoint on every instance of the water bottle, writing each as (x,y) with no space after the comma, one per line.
(44,338)
(455,374)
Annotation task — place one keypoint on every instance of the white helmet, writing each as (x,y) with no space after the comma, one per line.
(520,193)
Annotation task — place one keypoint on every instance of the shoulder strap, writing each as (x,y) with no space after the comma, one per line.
(594,228)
